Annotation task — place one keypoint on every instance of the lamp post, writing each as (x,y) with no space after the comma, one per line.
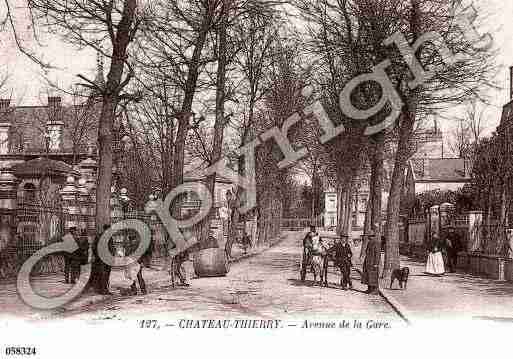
(125,203)
(47,138)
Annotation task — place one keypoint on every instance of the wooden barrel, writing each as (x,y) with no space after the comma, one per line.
(211,262)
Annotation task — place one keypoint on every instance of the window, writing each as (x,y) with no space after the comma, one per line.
(29,193)
(54,132)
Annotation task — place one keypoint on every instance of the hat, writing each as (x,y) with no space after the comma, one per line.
(72,228)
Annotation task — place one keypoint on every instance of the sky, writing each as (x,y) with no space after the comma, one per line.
(27,84)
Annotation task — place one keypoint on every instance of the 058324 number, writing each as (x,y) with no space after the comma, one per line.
(20,351)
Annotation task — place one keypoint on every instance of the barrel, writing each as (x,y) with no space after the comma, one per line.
(211,262)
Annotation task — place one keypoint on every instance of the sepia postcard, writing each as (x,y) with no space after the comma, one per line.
(256,178)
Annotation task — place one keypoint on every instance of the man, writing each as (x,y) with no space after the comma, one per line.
(69,269)
(80,256)
(246,242)
(370,273)
(133,272)
(307,251)
(176,267)
(453,246)
(343,256)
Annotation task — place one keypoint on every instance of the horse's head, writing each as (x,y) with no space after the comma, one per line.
(317,245)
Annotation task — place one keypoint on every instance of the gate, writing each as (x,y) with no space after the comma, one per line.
(299,224)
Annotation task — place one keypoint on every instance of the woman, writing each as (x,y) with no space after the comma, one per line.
(435,261)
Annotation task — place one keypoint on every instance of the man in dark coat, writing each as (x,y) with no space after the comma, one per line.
(370,273)
(143,262)
(79,257)
(307,251)
(342,255)
(452,247)
(70,258)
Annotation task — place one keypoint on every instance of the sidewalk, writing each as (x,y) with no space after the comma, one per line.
(454,295)
(53,285)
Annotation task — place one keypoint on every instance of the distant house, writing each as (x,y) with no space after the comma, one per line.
(427,170)
(54,131)
(427,174)
(193,180)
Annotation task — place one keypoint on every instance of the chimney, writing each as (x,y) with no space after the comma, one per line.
(4,103)
(54,101)
(54,127)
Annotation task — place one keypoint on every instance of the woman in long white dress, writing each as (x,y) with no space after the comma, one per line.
(435,261)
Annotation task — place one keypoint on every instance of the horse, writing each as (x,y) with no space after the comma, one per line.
(318,255)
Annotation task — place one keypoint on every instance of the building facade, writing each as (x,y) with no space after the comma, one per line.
(437,172)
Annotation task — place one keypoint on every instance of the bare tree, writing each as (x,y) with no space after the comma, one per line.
(98,24)
(461,139)
(255,35)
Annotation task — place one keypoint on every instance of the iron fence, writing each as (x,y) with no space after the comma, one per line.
(34,228)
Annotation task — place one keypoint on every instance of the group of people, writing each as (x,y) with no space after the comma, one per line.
(341,256)
(100,271)
(444,253)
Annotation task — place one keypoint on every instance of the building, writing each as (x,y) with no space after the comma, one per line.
(427,170)
(430,170)
(444,174)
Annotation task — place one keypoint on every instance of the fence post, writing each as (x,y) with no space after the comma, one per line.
(83,197)
(446,211)
(69,199)
(475,221)
(8,206)
(88,170)
(116,215)
(509,241)
(434,223)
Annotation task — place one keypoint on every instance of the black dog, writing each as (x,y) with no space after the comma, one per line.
(401,275)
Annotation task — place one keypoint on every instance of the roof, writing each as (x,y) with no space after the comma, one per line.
(43,166)
(197,175)
(193,177)
(440,170)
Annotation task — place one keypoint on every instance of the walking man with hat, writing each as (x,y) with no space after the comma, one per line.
(307,251)
(69,269)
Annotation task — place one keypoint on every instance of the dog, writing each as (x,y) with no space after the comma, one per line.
(401,275)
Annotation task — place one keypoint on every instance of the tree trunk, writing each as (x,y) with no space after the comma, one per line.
(349,210)
(186,110)
(374,210)
(106,121)
(344,198)
(220,100)
(392,255)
